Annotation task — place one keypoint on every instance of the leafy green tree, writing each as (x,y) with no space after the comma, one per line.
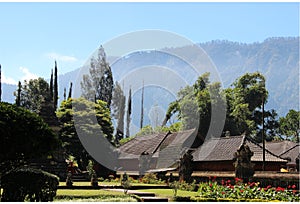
(289,125)
(23,136)
(98,84)
(194,104)
(83,110)
(33,93)
(244,104)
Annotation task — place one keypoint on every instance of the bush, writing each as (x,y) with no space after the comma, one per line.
(151,178)
(23,184)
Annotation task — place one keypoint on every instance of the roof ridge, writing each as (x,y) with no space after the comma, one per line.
(289,150)
(252,140)
(159,144)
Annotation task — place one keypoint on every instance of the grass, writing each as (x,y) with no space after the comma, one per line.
(91,196)
(169,192)
(88,183)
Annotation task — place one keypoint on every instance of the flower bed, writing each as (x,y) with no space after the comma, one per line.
(239,191)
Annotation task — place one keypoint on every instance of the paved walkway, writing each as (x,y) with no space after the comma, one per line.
(144,196)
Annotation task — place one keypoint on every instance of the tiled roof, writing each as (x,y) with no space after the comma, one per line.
(292,153)
(218,149)
(223,149)
(258,153)
(166,146)
(279,147)
(135,147)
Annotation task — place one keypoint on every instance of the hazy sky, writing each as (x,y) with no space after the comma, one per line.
(32,35)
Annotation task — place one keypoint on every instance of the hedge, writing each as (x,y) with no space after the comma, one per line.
(25,183)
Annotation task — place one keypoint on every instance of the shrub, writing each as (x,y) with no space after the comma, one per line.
(151,178)
(29,184)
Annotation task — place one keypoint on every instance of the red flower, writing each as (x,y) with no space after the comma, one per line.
(210,185)
(294,191)
(222,182)
(232,187)
(289,186)
(241,190)
(293,186)
(252,184)
(223,192)
(228,181)
(279,189)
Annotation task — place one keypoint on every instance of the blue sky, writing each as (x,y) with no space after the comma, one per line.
(32,35)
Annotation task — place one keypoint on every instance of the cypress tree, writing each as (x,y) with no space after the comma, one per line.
(51,85)
(18,99)
(0,83)
(128,114)
(55,96)
(70,91)
(142,108)
(65,94)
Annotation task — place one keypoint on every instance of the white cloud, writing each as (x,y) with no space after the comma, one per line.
(63,58)
(27,75)
(7,80)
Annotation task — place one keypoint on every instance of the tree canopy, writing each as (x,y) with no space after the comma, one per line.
(33,94)
(84,111)
(289,125)
(23,136)
(98,84)
(244,103)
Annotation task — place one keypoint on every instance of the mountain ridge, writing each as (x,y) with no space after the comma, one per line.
(276,57)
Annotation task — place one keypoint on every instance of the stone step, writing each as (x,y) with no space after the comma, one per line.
(154,199)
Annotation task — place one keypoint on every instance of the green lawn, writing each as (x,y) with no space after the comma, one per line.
(87,183)
(169,192)
(65,195)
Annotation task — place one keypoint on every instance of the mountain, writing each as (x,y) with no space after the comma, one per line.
(276,58)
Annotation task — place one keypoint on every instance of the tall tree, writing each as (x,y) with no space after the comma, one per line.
(247,99)
(142,108)
(23,136)
(0,84)
(51,85)
(69,134)
(98,84)
(33,93)
(18,97)
(128,114)
(289,125)
(70,91)
(118,111)
(55,93)
(65,93)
